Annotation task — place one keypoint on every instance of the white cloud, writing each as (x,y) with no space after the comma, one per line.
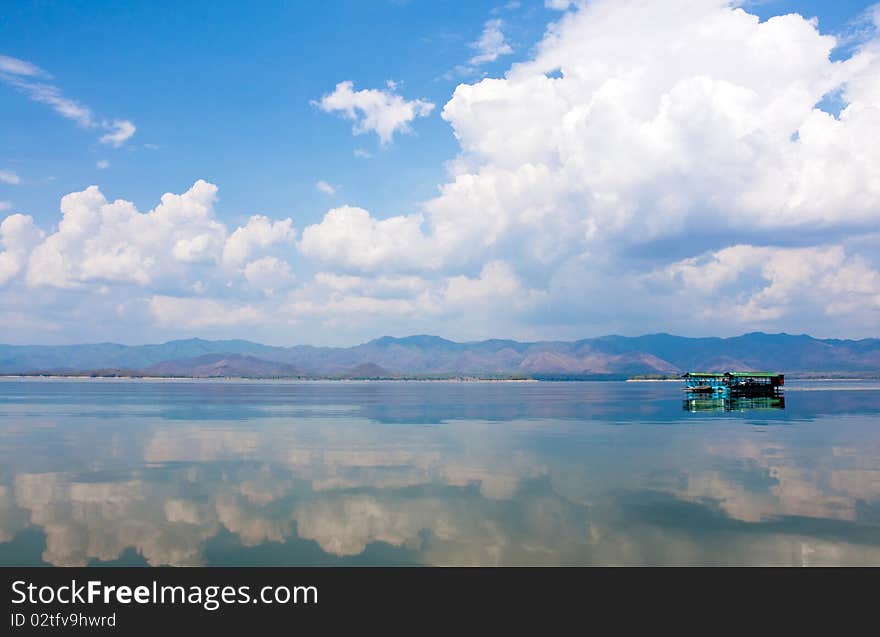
(130,269)
(120,131)
(644,147)
(324,187)
(14,66)
(489,47)
(651,128)
(361,153)
(260,232)
(98,240)
(385,302)
(348,310)
(496,282)
(52,95)
(102,164)
(9,177)
(491,43)
(559,5)
(350,238)
(658,122)
(18,235)
(24,76)
(377,286)
(5,205)
(189,313)
(751,283)
(372,110)
(268,274)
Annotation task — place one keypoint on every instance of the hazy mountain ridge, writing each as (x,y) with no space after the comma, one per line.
(214,365)
(433,356)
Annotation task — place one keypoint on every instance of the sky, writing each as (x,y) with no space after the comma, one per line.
(332,172)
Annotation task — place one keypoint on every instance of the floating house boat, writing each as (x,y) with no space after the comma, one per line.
(733,384)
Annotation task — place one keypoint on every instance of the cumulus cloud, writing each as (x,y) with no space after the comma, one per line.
(186,312)
(349,237)
(102,164)
(333,309)
(176,266)
(662,127)
(260,232)
(179,248)
(767,283)
(18,235)
(268,274)
(349,301)
(644,149)
(667,127)
(99,240)
(381,285)
(688,121)
(496,281)
(374,110)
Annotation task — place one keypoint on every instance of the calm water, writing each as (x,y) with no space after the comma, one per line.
(310,473)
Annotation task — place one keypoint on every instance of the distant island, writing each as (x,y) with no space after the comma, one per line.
(654,356)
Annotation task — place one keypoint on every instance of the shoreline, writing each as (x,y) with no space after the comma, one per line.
(451,379)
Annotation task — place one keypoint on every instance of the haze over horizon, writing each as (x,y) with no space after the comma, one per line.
(527,170)
(405,337)
(432,356)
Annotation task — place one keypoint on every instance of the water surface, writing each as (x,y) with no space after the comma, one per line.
(335,473)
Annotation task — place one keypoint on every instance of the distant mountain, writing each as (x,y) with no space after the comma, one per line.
(18,358)
(223,365)
(366,371)
(434,356)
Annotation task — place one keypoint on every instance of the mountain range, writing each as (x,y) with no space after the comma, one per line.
(432,356)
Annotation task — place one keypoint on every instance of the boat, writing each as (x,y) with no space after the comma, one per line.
(734,384)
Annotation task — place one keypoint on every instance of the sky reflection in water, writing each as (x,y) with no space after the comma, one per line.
(240,473)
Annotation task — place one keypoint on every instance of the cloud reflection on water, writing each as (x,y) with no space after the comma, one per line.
(664,488)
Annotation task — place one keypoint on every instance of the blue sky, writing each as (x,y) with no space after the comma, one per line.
(231,93)
(225,93)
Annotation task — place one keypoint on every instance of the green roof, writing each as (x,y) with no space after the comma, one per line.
(735,374)
(755,374)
